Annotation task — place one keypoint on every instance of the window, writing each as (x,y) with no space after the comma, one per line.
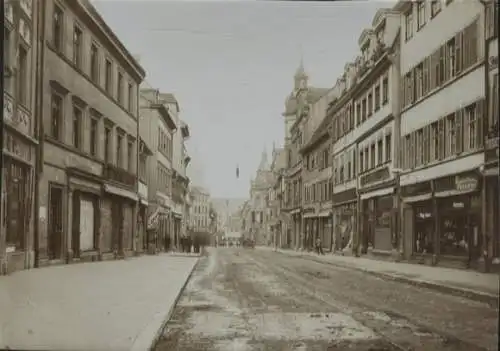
(435,7)
(130,153)
(77,126)
(94,63)
(471,122)
(419,81)
(407,152)
(22,77)
(419,147)
(107,145)
(119,88)
(119,155)
(56,116)
(370,104)
(93,136)
(388,147)
(380,152)
(377,98)
(358,114)
(493,118)
(367,159)
(491,20)
(57,28)
(409,25)
(470,45)
(441,139)
(130,97)
(361,163)
(385,90)
(420,14)
(372,156)
(7,45)
(409,91)
(451,135)
(77,46)
(108,76)
(363,116)
(450,59)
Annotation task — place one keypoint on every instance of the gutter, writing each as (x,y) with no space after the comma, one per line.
(41,10)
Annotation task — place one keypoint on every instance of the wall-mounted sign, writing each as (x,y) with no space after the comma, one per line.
(458,205)
(493,62)
(465,183)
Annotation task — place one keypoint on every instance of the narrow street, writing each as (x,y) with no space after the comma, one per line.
(240,299)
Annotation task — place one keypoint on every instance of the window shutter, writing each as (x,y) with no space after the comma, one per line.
(432,73)
(445,55)
(466,48)
(459,132)
(458,52)
(479,122)
(441,139)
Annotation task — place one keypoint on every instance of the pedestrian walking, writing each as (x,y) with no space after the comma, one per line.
(319,247)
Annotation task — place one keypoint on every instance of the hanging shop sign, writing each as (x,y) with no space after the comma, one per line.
(466,183)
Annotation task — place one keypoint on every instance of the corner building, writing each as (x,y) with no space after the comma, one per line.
(88,188)
(442,129)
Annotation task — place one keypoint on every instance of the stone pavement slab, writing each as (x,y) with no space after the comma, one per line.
(469,283)
(111,305)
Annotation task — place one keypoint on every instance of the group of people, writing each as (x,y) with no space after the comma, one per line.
(189,245)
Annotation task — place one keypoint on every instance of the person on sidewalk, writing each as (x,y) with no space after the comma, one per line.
(319,247)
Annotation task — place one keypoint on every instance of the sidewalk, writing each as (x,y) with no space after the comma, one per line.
(471,284)
(111,305)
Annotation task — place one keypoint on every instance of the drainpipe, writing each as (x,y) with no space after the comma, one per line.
(41,9)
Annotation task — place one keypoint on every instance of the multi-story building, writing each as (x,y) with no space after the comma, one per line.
(17,240)
(491,209)
(442,129)
(259,187)
(200,210)
(372,120)
(297,132)
(317,175)
(180,159)
(281,237)
(157,128)
(87,192)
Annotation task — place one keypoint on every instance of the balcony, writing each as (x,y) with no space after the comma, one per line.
(119,175)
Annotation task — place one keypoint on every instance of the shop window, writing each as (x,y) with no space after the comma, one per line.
(454,239)
(15,205)
(424,230)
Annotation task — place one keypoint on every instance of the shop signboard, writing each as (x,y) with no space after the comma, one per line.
(466,183)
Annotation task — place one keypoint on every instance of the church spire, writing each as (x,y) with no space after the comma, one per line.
(301,75)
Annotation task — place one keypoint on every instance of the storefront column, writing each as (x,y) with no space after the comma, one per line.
(356,228)
(68,236)
(486,258)
(437,226)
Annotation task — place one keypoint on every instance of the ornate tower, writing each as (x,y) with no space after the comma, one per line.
(300,77)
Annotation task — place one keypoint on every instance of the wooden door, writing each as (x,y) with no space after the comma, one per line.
(55,224)
(86,224)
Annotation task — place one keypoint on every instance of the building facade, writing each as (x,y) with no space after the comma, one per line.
(297,132)
(21,123)
(280,236)
(491,212)
(157,128)
(87,191)
(375,120)
(259,214)
(442,130)
(317,175)
(200,210)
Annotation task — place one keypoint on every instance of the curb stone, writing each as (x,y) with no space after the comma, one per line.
(138,346)
(475,295)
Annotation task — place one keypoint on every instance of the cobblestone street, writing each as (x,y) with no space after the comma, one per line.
(241,299)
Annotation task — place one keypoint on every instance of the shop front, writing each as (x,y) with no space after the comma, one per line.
(325,225)
(378,224)
(310,228)
(344,219)
(444,219)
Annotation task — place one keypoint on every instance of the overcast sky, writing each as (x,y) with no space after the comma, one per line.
(231,65)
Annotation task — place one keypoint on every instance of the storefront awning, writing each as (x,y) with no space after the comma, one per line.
(326,213)
(144,202)
(377,193)
(177,215)
(417,198)
(120,192)
(310,215)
